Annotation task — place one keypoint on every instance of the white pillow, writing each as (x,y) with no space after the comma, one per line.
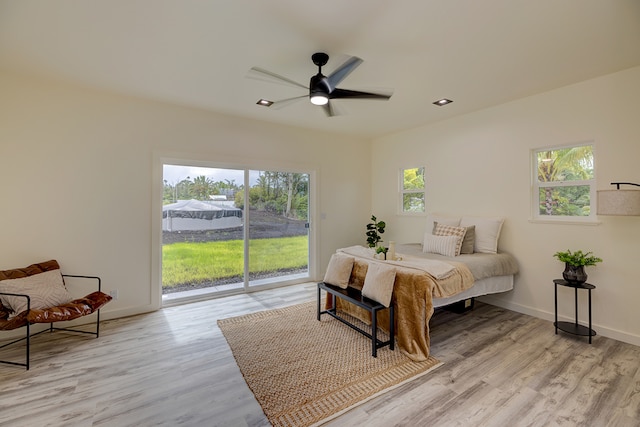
(378,283)
(487,232)
(45,289)
(339,270)
(443,245)
(441,219)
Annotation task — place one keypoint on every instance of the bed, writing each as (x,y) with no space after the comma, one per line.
(488,271)
(430,274)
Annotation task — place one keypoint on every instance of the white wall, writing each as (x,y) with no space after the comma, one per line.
(479,164)
(76,170)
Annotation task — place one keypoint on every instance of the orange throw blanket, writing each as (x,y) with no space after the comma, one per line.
(412,299)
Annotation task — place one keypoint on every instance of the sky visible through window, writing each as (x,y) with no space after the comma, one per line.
(176,173)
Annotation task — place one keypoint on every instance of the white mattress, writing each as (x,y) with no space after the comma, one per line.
(491,285)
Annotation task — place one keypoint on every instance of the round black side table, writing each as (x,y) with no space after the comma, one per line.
(571,327)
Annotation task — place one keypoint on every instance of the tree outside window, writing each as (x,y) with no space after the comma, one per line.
(412,192)
(564,183)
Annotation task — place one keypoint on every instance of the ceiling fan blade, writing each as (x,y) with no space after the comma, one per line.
(265,75)
(343,71)
(328,109)
(286,102)
(332,109)
(354,94)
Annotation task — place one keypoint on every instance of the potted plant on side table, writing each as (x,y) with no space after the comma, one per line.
(574,263)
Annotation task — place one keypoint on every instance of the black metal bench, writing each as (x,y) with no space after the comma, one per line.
(354,296)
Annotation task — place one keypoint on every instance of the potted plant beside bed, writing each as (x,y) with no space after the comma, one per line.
(574,263)
(374,229)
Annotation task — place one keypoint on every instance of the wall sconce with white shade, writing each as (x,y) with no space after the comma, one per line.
(619,202)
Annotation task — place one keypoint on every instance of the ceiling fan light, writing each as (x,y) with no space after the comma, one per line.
(319,99)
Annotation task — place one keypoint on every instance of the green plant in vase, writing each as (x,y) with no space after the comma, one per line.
(382,250)
(374,230)
(574,263)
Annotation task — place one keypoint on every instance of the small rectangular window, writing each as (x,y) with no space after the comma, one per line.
(564,182)
(412,190)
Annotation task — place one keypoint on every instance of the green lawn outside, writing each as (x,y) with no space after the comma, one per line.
(188,262)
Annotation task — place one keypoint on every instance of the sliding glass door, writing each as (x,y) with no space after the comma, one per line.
(278,226)
(228,230)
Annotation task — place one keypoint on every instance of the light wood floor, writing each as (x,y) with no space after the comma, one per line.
(174,368)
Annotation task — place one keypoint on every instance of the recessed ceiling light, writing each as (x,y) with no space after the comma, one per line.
(442,102)
(264,102)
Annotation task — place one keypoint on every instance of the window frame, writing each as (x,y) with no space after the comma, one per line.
(536,186)
(402,192)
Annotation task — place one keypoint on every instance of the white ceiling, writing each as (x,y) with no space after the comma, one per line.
(198,52)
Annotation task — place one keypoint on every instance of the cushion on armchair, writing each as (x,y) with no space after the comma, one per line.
(41,267)
(72,310)
(17,273)
(15,322)
(63,309)
(44,289)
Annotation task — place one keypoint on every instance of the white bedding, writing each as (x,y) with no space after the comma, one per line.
(493,273)
(436,268)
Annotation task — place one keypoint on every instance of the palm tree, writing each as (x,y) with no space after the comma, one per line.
(202,187)
(183,189)
(567,164)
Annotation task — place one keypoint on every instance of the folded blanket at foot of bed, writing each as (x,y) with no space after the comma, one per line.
(413,291)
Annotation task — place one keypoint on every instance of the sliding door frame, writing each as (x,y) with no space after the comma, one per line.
(162,158)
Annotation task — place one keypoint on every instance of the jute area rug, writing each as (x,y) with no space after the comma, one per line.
(304,372)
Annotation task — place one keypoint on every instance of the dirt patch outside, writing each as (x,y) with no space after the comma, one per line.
(262,225)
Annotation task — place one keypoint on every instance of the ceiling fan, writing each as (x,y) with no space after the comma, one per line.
(322,89)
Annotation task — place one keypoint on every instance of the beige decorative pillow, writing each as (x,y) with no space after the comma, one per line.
(45,290)
(487,232)
(339,270)
(469,240)
(448,230)
(378,283)
(443,245)
(442,219)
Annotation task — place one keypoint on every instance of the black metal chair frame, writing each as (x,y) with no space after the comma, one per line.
(51,328)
